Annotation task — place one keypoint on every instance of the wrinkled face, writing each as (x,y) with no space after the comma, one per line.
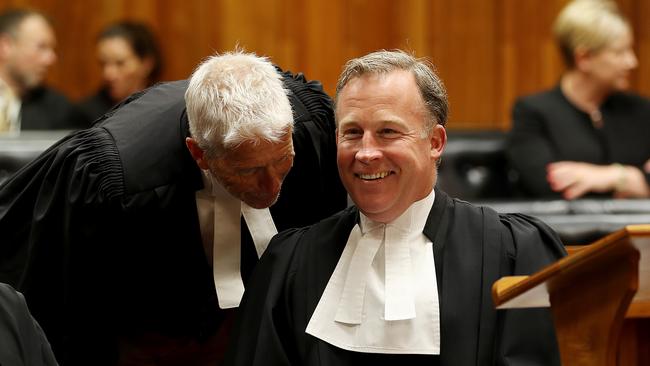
(385,159)
(612,65)
(254,172)
(123,71)
(32,53)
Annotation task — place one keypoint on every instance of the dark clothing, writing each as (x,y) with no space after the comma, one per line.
(102,233)
(548,128)
(22,342)
(46,109)
(472,248)
(95,106)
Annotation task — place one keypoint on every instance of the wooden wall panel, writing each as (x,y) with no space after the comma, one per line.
(487,52)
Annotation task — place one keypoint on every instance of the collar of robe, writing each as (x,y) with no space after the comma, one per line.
(382,296)
(399,301)
(226,251)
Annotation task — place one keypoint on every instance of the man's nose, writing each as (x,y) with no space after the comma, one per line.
(632,61)
(369,149)
(49,57)
(271,181)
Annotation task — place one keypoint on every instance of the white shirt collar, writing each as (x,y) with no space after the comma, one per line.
(412,220)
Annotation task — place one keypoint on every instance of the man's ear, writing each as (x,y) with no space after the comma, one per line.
(438,141)
(6,43)
(197,153)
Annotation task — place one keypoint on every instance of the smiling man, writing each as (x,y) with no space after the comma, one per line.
(404,276)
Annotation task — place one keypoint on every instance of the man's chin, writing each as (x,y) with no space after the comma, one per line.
(260,204)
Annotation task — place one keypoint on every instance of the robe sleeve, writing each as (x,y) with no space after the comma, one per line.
(261,334)
(23,341)
(45,211)
(527,336)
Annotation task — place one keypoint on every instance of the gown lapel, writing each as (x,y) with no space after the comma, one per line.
(457,238)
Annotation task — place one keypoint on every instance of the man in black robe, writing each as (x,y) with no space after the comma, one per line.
(404,277)
(106,235)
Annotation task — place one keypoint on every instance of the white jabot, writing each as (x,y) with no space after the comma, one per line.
(261,226)
(382,296)
(220,221)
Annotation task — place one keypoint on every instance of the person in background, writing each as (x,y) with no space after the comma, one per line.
(404,277)
(23,341)
(586,136)
(130,60)
(132,240)
(27,51)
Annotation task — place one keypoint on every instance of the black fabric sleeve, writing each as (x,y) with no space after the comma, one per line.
(527,336)
(22,339)
(529,151)
(46,211)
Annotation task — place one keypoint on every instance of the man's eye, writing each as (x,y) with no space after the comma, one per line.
(352,133)
(249,171)
(389,133)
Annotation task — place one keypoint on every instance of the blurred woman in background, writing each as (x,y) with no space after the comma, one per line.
(587,136)
(130,60)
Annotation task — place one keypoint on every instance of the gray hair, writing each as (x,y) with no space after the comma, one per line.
(431,87)
(592,24)
(236,97)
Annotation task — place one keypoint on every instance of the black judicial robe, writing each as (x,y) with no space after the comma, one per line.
(472,248)
(22,342)
(101,232)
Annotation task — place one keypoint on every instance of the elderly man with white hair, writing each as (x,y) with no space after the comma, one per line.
(132,241)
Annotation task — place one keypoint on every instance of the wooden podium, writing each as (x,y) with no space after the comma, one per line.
(599,297)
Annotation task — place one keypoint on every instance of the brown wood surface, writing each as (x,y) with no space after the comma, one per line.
(590,292)
(487,52)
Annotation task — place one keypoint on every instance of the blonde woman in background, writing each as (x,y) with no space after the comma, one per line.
(586,136)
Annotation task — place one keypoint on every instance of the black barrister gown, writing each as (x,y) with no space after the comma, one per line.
(101,232)
(22,342)
(472,248)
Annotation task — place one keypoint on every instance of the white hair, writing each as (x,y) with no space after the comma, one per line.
(236,97)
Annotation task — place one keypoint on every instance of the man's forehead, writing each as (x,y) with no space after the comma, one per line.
(251,151)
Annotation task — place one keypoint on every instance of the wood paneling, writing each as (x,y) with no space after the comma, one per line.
(487,52)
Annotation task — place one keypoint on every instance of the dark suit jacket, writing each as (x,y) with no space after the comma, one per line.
(46,109)
(472,248)
(547,128)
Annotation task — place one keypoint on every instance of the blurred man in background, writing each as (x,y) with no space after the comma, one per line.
(27,51)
